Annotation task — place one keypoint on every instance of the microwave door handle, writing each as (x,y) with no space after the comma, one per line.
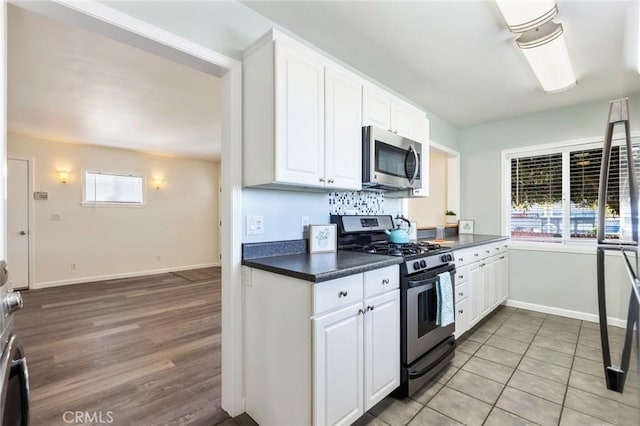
(416,169)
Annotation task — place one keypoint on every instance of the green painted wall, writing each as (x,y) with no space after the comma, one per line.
(561,280)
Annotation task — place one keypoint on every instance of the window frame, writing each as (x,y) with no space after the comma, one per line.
(563,244)
(86,203)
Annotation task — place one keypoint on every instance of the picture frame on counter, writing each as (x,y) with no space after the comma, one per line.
(465,226)
(323,238)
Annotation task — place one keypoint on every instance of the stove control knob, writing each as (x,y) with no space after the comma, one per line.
(416,265)
(423,264)
(446,258)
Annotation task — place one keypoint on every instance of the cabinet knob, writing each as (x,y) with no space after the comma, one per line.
(461,311)
(460,259)
(501,257)
(321,180)
(476,254)
(460,276)
(460,294)
(360,311)
(497,248)
(385,281)
(330,180)
(395,131)
(370,308)
(391,130)
(342,294)
(488,251)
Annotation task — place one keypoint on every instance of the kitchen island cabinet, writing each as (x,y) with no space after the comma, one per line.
(320,353)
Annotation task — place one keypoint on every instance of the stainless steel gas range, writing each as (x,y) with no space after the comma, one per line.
(425,347)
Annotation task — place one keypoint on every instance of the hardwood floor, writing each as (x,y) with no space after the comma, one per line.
(137,351)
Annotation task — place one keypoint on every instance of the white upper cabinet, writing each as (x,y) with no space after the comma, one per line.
(382,109)
(302,119)
(299,117)
(343,132)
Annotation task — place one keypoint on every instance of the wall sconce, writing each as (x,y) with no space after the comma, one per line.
(157,182)
(63,175)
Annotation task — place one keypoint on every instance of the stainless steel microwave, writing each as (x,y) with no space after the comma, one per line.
(390,162)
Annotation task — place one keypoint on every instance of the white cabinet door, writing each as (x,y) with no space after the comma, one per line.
(502,268)
(462,317)
(381,347)
(343,130)
(476,287)
(402,120)
(489,279)
(299,117)
(338,366)
(376,108)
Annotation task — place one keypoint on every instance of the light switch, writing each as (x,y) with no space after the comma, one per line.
(255,224)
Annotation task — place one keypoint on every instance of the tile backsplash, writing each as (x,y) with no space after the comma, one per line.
(356,202)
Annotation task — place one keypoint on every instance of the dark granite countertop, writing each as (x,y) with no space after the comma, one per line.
(461,241)
(320,267)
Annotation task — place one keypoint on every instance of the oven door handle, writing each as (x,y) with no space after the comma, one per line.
(425,370)
(427,284)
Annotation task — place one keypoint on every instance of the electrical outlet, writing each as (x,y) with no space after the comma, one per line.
(304,223)
(73,266)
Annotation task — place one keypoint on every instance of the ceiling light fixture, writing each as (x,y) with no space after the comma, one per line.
(546,51)
(541,40)
(524,15)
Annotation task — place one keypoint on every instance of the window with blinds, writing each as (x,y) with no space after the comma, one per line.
(554,196)
(111,188)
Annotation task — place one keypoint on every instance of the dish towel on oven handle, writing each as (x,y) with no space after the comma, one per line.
(444,290)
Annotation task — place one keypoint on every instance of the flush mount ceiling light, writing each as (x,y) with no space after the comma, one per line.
(541,40)
(546,51)
(524,15)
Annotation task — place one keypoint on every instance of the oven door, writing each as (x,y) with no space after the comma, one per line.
(14,385)
(390,161)
(422,333)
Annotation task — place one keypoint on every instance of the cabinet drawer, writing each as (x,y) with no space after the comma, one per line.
(464,257)
(335,293)
(462,318)
(461,292)
(381,280)
(462,275)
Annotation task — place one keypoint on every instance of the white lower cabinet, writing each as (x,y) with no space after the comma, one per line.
(381,347)
(350,330)
(483,270)
(338,360)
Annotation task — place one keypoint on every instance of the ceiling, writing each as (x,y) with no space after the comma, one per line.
(71,85)
(458,60)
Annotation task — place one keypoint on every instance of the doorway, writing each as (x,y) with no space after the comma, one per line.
(19,221)
(110,23)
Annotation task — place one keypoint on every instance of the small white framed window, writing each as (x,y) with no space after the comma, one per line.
(109,188)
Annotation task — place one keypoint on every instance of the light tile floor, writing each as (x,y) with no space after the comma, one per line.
(521,368)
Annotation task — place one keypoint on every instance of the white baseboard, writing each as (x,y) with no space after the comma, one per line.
(617,322)
(58,283)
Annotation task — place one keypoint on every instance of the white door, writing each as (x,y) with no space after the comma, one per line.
(343,130)
(18,222)
(299,117)
(338,366)
(488,288)
(402,120)
(462,317)
(381,347)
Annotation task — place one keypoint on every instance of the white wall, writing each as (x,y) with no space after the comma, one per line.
(555,279)
(429,211)
(179,222)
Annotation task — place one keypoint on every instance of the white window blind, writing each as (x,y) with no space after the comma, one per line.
(554,196)
(111,188)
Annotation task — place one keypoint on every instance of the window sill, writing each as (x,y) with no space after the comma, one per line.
(111,205)
(557,247)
